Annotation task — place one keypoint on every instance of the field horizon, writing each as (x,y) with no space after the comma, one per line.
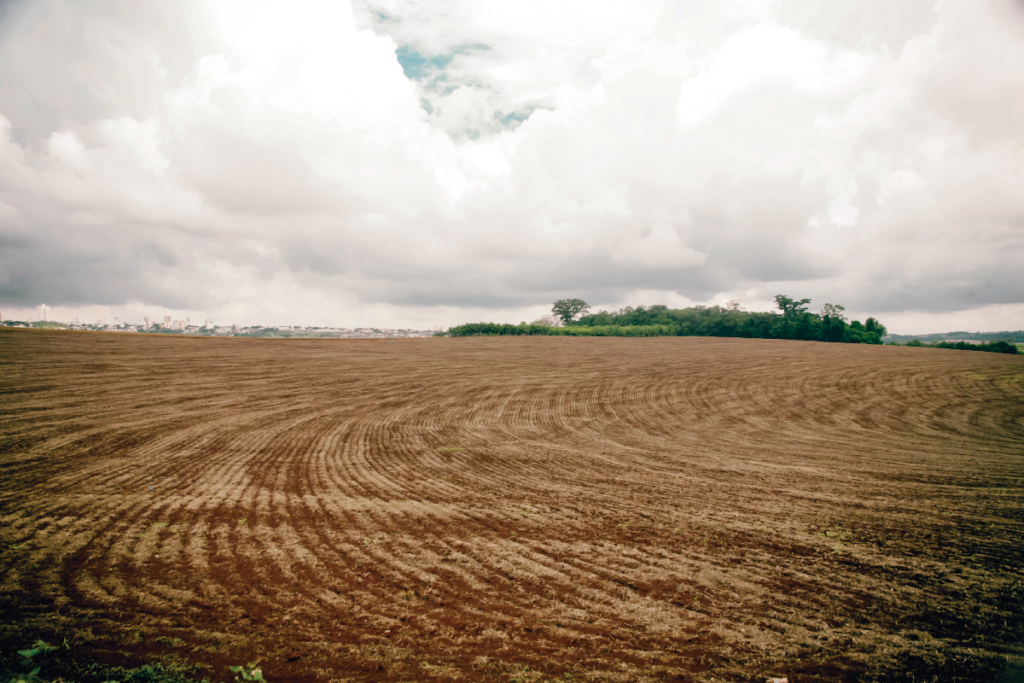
(513,508)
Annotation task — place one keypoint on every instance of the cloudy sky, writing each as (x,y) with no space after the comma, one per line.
(415,163)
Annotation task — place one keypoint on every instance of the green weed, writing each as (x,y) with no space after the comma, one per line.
(39,648)
(168,641)
(249,672)
(168,672)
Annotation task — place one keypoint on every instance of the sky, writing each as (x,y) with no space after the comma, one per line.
(405,163)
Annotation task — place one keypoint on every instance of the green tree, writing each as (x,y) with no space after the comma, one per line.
(833,311)
(873,325)
(568,309)
(789,307)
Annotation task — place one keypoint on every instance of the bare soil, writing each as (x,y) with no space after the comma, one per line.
(514,509)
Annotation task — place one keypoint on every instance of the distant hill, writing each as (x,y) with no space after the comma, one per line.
(1017,336)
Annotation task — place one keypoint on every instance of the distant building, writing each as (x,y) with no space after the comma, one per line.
(44,312)
(147,321)
(167,321)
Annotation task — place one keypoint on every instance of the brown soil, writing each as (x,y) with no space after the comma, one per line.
(514,509)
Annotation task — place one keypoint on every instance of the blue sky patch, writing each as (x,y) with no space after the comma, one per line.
(418,66)
(513,118)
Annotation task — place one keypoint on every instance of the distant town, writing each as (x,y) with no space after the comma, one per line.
(208,328)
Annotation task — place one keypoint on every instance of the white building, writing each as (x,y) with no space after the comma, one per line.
(44,312)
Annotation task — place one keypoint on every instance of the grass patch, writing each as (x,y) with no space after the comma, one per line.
(41,655)
(161,672)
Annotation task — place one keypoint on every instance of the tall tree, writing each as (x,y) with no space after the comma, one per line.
(873,325)
(568,309)
(834,311)
(789,307)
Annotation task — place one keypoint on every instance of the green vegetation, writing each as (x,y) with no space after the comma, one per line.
(171,668)
(249,672)
(1012,337)
(794,322)
(274,333)
(994,347)
(30,662)
(568,309)
(527,329)
(38,324)
(170,672)
(160,329)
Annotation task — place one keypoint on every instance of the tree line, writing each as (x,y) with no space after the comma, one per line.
(793,321)
(994,347)
(1014,337)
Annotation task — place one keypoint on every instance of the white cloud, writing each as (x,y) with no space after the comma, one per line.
(398,162)
(769,55)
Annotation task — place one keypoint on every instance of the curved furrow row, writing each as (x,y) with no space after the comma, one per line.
(657,503)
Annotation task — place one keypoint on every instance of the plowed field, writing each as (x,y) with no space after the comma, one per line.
(514,509)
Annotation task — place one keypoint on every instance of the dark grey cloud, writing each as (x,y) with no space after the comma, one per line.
(48,269)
